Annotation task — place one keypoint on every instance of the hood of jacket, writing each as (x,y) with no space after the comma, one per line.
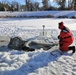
(61,25)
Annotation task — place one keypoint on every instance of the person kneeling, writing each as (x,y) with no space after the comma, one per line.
(66,38)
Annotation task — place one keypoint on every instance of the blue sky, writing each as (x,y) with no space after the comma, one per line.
(23,1)
(20,1)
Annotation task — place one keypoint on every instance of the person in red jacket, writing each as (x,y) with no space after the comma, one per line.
(66,38)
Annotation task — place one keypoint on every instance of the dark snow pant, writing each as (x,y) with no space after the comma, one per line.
(65,46)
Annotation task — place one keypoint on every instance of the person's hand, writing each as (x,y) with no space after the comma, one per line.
(58,37)
(61,39)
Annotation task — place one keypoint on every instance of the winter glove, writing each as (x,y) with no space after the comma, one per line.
(61,39)
(58,37)
(60,45)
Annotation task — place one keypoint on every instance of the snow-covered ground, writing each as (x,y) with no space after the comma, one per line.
(40,13)
(38,62)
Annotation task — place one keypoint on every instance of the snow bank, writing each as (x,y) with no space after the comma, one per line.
(40,13)
(39,62)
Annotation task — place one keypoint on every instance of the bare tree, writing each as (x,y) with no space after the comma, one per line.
(27,5)
(61,3)
(6,4)
(72,4)
(69,4)
(35,6)
(45,4)
(31,5)
(14,6)
(4,1)
(75,4)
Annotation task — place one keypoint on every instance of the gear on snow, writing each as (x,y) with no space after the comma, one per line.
(18,44)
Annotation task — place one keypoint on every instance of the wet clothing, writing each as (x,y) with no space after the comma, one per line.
(66,38)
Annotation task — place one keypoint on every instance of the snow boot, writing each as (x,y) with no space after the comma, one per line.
(72,48)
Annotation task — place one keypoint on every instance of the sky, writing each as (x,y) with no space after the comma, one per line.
(23,1)
(20,1)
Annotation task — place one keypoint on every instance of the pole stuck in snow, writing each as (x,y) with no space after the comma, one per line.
(43,29)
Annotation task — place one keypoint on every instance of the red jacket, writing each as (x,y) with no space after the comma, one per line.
(66,35)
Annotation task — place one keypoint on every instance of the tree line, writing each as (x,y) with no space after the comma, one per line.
(31,5)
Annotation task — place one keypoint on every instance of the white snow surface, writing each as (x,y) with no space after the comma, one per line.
(38,62)
(40,13)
